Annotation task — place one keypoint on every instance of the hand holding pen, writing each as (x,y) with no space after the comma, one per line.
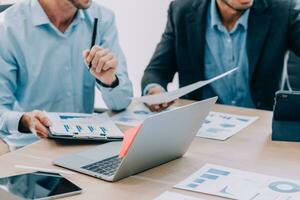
(100,61)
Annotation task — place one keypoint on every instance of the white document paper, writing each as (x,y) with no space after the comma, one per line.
(175,196)
(176,94)
(83,125)
(221,126)
(134,115)
(236,184)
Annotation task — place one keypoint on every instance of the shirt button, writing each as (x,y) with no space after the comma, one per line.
(67,68)
(229,40)
(233,102)
(69,94)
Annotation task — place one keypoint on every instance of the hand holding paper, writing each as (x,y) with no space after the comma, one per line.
(167,97)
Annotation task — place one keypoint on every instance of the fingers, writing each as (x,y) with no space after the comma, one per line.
(160,107)
(85,54)
(42,118)
(40,129)
(156,108)
(98,56)
(92,53)
(37,123)
(94,56)
(102,61)
(111,64)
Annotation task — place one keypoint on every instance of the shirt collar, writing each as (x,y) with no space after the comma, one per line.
(243,21)
(39,17)
(215,18)
(79,16)
(216,21)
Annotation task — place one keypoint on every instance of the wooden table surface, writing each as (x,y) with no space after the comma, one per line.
(251,149)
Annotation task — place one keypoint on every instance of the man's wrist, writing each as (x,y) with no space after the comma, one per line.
(21,127)
(112,85)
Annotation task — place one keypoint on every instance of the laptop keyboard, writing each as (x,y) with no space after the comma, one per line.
(107,167)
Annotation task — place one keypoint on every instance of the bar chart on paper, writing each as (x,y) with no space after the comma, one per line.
(70,124)
(221,126)
(237,184)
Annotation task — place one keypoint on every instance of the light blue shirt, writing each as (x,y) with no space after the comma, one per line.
(43,68)
(224,51)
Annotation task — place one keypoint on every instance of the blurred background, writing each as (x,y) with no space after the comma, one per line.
(141,24)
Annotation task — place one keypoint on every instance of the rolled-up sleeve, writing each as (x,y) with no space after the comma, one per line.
(117,98)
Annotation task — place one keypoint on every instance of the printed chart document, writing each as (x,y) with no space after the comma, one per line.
(83,125)
(218,126)
(175,196)
(176,94)
(134,115)
(237,184)
(221,126)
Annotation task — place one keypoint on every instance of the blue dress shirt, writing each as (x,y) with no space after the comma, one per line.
(224,51)
(43,68)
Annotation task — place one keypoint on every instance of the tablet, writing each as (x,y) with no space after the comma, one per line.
(37,185)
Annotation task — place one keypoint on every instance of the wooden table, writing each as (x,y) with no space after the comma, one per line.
(251,149)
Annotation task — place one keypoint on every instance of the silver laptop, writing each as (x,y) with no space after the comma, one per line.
(162,138)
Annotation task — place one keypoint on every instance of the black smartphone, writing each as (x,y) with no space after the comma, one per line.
(287,106)
(286,117)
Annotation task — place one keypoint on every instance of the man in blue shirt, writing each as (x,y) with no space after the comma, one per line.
(44,58)
(205,38)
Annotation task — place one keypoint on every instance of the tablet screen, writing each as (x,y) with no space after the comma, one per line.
(38,185)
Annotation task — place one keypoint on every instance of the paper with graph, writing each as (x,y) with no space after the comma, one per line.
(83,125)
(237,184)
(221,126)
(176,94)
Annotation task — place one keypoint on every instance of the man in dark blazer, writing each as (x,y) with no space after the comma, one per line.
(204,38)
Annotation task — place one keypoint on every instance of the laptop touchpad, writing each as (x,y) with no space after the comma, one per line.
(101,152)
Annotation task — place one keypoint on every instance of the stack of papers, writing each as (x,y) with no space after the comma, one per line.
(221,126)
(83,125)
(237,184)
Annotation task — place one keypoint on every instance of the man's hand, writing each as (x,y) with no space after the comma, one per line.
(158,107)
(103,64)
(35,122)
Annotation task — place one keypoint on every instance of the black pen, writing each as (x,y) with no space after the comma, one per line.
(94,37)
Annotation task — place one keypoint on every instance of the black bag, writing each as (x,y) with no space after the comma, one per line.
(286,117)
